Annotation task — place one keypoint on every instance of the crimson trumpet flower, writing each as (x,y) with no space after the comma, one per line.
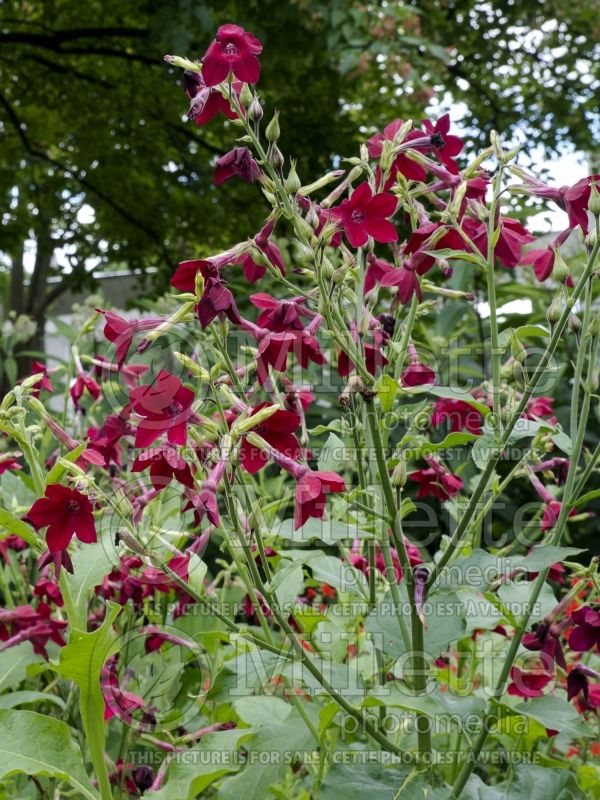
(81,383)
(166,407)
(45,383)
(8,462)
(67,513)
(165,464)
(312,487)
(216,299)
(528,684)
(461,415)
(510,243)
(233,50)
(206,101)
(269,250)
(402,163)
(446,146)
(364,214)
(278,315)
(278,431)
(586,633)
(542,262)
(238,161)
(436,481)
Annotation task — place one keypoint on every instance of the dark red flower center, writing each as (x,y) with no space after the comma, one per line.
(72,506)
(174,409)
(357,216)
(437,140)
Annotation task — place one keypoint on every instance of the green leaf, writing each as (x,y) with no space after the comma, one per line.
(530,782)
(14,663)
(82,661)
(450,394)
(329,531)
(33,744)
(91,564)
(451,440)
(58,470)
(387,389)
(554,713)
(370,782)
(287,584)
(15,699)
(339,574)
(210,759)
(15,525)
(333,454)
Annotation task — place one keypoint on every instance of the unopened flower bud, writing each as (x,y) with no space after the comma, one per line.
(497,147)
(192,366)
(554,310)
(328,178)
(594,201)
(560,270)
(594,326)
(184,63)
(255,112)
(456,202)
(245,425)
(273,131)
(327,269)
(574,323)
(399,474)
(246,95)
(276,156)
(292,182)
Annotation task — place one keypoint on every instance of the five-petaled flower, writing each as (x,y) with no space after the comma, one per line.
(311,490)
(436,481)
(165,407)
(278,431)
(238,161)
(67,513)
(586,633)
(233,50)
(364,214)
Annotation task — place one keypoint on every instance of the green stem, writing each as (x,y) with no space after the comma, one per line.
(540,371)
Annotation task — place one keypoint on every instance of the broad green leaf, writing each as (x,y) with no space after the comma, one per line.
(15,699)
(554,713)
(287,584)
(450,394)
(451,440)
(333,454)
(339,574)
(91,564)
(527,782)
(14,663)
(329,531)
(82,661)
(210,759)
(16,526)
(387,389)
(371,782)
(33,744)
(197,570)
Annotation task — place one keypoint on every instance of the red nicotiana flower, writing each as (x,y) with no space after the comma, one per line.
(508,247)
(374,360)
(216,299)
(312,487)
(81,383)
(402,163)
(165,464)
(205,101)
(528,684)
(446,146)
(278,431)
(542,262)
(540,407)
(576,199)
(364,214)
(278,315)
(432,236)
(67,513)
(268,249)
(552,513)
(9,461)
(25,624)
(417,374)
(121,331)
(461,415)
(165,406)
(586,633)
(238,161)
(233,50)
(436,481)
(106,440)
(45,383)
(546,639)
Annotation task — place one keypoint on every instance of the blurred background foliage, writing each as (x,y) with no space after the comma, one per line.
(92,117)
